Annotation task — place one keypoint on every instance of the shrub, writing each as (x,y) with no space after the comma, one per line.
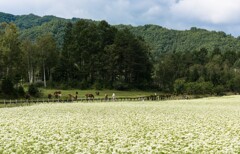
(98,85)
(179,86)
(7,87)
(64,86)
(33,90)
(199,87)
(234,84)
(219,90)
(21,91)
(39,84)
(119,85)
(83,84)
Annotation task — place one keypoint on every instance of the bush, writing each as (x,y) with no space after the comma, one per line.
(234,84)
(219,90)
(39,84)
(179,86)
(33,90)
(120,85)
(73,84)
(206,87)
(21,91)
(83,84)
(52,84)
(7,87)
(199,87)
(64,86)
(192,88)
(98,85)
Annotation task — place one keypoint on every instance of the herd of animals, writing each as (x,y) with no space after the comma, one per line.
(89,96)
(58,95)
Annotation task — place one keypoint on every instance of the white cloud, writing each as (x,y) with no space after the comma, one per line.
(176,14)
(209,11)
(154,11)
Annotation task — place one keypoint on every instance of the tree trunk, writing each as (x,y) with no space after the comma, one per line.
(30,76)
(30,71)
(44,75)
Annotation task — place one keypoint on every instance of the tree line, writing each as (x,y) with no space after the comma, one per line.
(98,55)
(92,56)
(199,72)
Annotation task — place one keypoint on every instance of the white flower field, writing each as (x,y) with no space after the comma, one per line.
(209,125)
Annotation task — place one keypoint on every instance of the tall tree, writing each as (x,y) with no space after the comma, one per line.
(10,50)
(130,59)
(30,59)
(48,54)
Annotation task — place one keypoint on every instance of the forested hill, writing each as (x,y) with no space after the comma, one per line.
(159,39)
(164,40)
(32,26)
(97,55)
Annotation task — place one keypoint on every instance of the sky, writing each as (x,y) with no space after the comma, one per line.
(218,15)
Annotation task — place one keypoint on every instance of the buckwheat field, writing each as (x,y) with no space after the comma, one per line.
(209,125)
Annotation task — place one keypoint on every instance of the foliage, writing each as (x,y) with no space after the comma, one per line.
(179,86)
(100,53)
(7,87)
(219,90)
(21,92)
(162,40)
(33,90)
(77,53)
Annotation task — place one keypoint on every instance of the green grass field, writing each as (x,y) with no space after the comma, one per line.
(81,93)
(208,125)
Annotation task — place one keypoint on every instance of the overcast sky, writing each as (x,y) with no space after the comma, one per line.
(219,15)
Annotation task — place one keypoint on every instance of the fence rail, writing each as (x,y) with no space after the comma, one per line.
(29,101)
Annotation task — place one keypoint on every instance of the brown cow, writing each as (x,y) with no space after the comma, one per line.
(57,94)
(49,96)
(89,97)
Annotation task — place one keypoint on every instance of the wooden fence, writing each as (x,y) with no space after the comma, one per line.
(30,101)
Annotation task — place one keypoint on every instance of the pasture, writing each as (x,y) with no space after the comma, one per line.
(208,125)
(81,93)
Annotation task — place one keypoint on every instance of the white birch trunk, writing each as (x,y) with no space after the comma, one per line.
(44,75)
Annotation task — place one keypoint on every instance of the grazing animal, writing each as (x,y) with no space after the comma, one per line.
(89,97)
(71,97)
(27,96)
(97,93)
(57,94)
(106,97)
(49,96)
(76,95)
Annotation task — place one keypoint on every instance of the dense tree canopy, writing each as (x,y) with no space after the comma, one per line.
(55,52)
(99,54)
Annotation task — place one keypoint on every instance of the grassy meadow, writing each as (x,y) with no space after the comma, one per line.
(81,93)
(208,125)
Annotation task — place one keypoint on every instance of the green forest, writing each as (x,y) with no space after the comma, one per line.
(53,52)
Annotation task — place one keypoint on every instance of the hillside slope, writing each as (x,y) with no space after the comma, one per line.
(160,39)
